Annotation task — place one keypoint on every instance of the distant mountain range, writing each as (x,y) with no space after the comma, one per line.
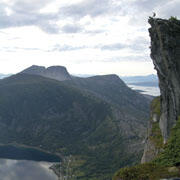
(60,73)
(99,121)
(149,80)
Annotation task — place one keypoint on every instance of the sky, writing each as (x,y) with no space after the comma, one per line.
(86,36)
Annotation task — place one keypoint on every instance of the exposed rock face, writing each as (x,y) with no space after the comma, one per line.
(59,73)
(165,53)
(154,140)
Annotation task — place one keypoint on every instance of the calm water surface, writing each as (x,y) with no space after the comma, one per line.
(22,163)
(153,91)
(25,170)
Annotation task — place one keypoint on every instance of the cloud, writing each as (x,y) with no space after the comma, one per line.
(114,47)
(49,27)
(139,44)
(136,45)
(129,58)
(92,32)
(27,14)
(71,28)
(171,8)
(92,8)
(15,49)
(2,9)
(58,47)
(23,6)
(147,5)
(139,11)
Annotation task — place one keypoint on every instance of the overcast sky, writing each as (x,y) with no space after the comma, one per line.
(86,36)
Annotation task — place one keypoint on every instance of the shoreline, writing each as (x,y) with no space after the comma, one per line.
(52,167)
(32,147)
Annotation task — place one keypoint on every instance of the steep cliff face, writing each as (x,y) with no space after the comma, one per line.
(165,53)
(161,158)
(154,139)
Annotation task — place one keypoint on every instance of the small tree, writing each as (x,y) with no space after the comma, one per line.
(173,18)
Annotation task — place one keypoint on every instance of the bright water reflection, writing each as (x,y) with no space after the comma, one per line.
(25,170)
(153,91)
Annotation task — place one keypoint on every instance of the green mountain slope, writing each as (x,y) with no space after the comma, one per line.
(113,90)
(57,117)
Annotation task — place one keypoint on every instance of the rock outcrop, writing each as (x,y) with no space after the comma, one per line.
(161,158)
(165,53)
(154,139)
(59,73)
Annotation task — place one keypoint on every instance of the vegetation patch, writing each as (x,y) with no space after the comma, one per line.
(171,154)
(148,171)
(173,18)
(156,136)
(156,106)
(164,166)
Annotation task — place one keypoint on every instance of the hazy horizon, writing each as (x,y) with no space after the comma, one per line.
(83,74)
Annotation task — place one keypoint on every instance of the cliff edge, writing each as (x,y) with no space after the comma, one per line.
(165,53)
(161,158)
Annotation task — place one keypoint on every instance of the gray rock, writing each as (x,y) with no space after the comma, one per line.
(59,73)
(165,53)
(150,150)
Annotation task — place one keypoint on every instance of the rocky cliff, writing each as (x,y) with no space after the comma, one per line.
(59,73)
(165,53)
(161,158)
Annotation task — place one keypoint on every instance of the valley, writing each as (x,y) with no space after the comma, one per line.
(99,122)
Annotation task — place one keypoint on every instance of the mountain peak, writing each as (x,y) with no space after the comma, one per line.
(34,69)
(59,73)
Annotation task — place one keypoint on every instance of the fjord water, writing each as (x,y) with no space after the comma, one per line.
(153,91)
(26,153)
(25,170)
(23,163)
